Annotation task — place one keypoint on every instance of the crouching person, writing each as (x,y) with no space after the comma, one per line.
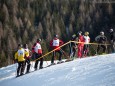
(38,54)
(27,58)
(19,57)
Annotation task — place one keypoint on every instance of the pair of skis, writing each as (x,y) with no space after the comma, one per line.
(58,62)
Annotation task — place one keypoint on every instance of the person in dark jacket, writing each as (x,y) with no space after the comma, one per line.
(73,46)
(112,40)
(101,40)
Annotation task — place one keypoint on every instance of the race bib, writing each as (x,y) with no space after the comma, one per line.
(21,52)
(56,42)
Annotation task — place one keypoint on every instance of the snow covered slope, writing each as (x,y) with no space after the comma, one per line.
(92,71)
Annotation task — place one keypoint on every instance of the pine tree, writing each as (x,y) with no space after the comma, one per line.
(5,12)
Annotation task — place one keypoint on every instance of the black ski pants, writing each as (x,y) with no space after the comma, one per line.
(86,49)
(99,47)
(37,61)
(54,54)
(28,65)
(21,67)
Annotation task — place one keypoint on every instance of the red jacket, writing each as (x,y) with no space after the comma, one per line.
(55,43)
(81,39)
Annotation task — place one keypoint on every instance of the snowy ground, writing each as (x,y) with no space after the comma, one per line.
(92,71)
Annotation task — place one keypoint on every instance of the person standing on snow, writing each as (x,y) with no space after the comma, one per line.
(33,52)
(112,40)
(80,44)
(86,45)
(38,54)
(27,57)
(55,44)
(73,46)
(101,40)
(19,57)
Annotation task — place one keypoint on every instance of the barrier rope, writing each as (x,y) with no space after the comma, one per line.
(66,44)
(52,51)
(90,43)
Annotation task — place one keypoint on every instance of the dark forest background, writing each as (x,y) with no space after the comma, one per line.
(23,21)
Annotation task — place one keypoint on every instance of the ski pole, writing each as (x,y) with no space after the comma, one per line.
(16,69)
(65,54)
(71,55)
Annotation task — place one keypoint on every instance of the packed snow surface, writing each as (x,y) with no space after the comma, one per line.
(89,71)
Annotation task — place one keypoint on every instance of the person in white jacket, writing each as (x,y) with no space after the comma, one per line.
(38,54)
(86,44)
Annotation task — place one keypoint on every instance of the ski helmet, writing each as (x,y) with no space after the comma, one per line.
(56,35)
(73,36)
(79,32)
(25,45)
(111,30)
(38,40)
(20,45)
(101,33)
(86,33)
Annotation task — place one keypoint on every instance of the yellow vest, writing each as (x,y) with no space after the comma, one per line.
(20,54)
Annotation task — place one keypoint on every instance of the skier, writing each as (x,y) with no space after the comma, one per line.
(27,57)
(112,40)
(80,44)
(101,40)
(86,45)
(73,46)
(38,54)
(55,43)
(19,58)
